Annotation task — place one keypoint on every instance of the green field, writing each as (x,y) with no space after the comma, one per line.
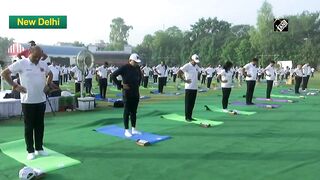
(277,144)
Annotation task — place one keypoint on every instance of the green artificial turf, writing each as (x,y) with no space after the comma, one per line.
(277,144)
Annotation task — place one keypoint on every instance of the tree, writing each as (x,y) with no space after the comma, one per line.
(119,34)
(78,44)
(5,43)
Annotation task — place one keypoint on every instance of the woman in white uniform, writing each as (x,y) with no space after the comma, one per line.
(225,77)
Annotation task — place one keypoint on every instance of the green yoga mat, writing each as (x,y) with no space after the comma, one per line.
(54,161)
(215,109)
(286,96)
(177,117)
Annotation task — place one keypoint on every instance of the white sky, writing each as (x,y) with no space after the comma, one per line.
(88,21)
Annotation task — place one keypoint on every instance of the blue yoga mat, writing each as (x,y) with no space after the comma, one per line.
(114,130)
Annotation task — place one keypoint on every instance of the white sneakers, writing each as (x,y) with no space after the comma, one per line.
(134,131)
(225,110)
(41,153)
(128,134)
(32,156)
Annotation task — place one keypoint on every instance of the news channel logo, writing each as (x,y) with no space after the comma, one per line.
(281,25)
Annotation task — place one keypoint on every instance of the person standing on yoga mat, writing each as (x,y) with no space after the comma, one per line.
(131,77)
(298,74)
(161,70)
(189,74)
(34,76)
(102,73)
(250,71)
(270,76)
(225,77)
(306,69)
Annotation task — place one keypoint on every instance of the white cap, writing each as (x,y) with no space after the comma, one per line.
(195,58)
(135,57)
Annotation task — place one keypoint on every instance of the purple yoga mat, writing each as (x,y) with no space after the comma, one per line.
(286,91)
(238,103)
(274,100)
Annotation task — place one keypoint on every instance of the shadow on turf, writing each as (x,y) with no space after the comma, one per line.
(100,122)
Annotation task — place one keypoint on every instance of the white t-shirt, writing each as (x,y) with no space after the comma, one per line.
(33,78)
(102,71)
(55,72)
(146,71)
(77,73)
(191,72)
(162,70)
(209,71)
(226,76)
(270,71)
(298,72)
(89,73)
(306,70)
(251,70)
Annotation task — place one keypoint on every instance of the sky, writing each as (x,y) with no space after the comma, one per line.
(89,21)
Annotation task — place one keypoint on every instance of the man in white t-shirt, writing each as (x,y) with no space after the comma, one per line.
(103,73)
(77,75)
(270,76)
(161,70)
(209,72)
(34,76)
(298,75)
(306,69)
(88,79)
(250,71)
(189,74)
(55,72)
(146,72)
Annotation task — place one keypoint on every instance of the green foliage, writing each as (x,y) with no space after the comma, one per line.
(119,34)
(216,41)
(5,43)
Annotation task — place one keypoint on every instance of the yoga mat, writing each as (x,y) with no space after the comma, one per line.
(54,161)
(176,117)
(114,130)
(287,96)
(165,94)
(276,100)
(286,91)
(145,97)
(237,103)
(215,109)
(202,90)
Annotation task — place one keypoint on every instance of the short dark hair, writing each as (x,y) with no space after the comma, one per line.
(106,63)
(255,59)
(272,61)
(227,66)
(32,42)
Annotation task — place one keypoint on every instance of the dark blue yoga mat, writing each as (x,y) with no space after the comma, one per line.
(114,130)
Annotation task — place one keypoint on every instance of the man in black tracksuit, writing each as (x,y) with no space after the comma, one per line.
(131,77)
